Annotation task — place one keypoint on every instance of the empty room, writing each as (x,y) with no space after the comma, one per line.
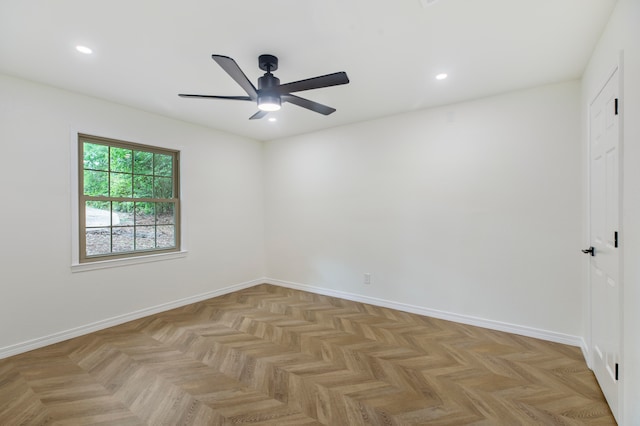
(320,212)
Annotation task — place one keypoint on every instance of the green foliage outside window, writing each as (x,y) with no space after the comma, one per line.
(121,172)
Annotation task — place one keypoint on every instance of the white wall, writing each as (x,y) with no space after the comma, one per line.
(39,295)
(472,209)
(623,34)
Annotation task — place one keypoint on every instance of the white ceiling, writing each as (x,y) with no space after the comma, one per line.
(148,51)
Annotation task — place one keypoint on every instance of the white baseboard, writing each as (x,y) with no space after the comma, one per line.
(40,342)
(537,333)
(464,319)
(585,353)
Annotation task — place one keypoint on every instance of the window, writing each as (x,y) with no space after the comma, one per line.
(129,201)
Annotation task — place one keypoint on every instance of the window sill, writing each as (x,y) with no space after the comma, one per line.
(115,263)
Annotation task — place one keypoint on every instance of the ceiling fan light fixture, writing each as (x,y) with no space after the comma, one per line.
(269,103)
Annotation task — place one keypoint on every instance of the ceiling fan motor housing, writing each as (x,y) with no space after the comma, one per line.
(268,98)
(268,81)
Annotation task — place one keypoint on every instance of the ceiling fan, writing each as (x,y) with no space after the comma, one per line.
(270,93)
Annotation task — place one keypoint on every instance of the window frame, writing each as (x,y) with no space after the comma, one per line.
(150,254)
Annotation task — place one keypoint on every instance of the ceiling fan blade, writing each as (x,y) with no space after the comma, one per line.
(306,103)
(234,71)
(334,79)
(258,115)
(233,98)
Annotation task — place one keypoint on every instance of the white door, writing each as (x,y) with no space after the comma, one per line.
(604,168)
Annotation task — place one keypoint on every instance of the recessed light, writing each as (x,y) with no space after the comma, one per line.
(426,3)
(84,49)
(272,119)
(441,76)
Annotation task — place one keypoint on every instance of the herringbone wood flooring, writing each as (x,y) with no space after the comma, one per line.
(270,355)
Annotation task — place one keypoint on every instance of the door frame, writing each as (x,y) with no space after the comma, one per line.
(618,67)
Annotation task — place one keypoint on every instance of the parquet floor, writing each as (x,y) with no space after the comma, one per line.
(271,355)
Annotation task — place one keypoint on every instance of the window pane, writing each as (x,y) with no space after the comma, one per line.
(163,187)
(96,157)
(98,241)
(96,183)
(121,185)
(142,163)
(121,160)
(122,239)
(163,165)
(165,235)
(142,186)
(145,237)
(145,213)
(122,213)
(97,213)
(166,214)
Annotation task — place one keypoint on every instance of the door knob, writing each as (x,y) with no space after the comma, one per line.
(590,250)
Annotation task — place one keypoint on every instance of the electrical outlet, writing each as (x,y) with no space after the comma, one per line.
(367,278)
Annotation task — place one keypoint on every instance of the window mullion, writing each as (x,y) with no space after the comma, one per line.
(135,227)
(131,199)
(110,226)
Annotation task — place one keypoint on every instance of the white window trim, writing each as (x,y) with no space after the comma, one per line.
(76,266)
